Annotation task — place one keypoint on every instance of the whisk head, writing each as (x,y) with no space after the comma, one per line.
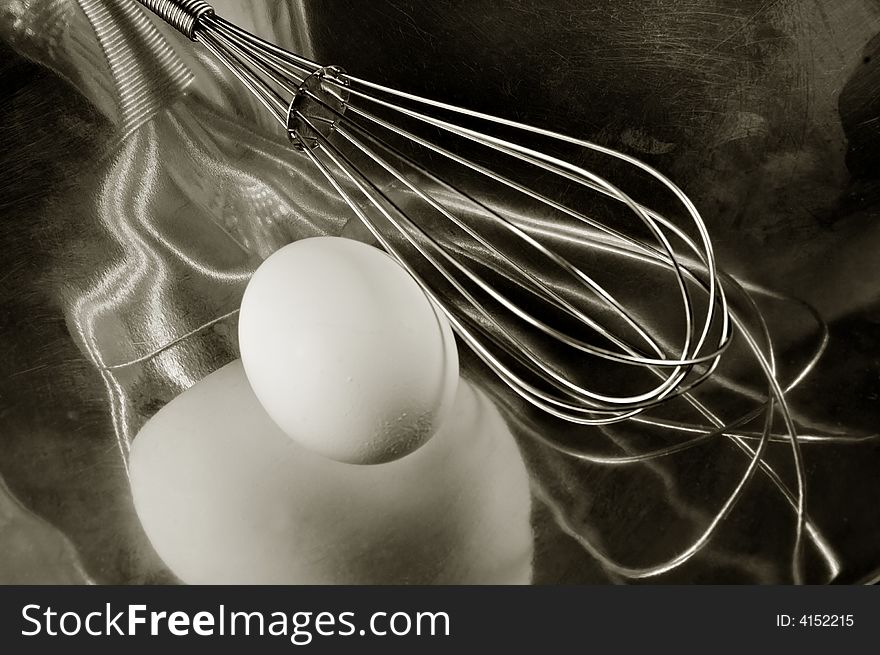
(538,262)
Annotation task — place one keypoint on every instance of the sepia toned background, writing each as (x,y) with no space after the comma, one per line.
(117,201)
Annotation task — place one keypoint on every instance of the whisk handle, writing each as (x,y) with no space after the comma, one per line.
(182,15)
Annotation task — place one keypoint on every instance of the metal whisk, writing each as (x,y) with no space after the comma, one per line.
(423,177)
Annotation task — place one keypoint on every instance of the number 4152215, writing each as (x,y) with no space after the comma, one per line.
(815,620)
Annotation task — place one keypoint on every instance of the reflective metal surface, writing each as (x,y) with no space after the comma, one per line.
(116,240)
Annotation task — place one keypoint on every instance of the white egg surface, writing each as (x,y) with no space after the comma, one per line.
(225,497)
(345,352)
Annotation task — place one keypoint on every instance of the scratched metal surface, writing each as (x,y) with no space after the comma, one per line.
(115,239)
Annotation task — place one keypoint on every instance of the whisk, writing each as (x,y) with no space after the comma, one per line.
(368,141)
(529,296)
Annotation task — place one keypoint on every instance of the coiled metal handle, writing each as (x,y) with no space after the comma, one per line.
(182,15)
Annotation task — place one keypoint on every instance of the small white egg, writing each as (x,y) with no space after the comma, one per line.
(345,351)
(225,497)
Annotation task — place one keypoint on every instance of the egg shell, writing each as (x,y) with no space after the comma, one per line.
(225,497)
(345,351)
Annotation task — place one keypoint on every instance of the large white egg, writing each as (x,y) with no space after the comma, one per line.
(345,351)
(226,497)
